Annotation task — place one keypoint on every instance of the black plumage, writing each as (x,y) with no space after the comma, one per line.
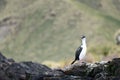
(81,51)
(77,53)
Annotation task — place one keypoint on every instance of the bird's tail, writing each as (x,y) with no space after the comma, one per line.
(73,61)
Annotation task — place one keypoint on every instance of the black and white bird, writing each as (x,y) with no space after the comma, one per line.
(81,51)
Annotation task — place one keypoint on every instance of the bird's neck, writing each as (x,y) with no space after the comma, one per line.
(83,42)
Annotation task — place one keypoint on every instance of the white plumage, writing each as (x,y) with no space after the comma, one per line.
(81,51)
(84,49)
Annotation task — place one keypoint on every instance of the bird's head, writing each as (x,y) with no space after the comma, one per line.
(83,37)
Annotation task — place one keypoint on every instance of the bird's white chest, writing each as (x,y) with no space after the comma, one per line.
(83,52)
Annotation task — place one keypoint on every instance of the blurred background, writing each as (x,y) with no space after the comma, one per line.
(48,31)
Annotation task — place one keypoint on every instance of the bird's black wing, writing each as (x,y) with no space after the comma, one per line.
(78,51)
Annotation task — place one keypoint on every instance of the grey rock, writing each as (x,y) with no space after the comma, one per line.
(11,70)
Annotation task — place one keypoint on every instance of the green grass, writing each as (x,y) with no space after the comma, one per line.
(51,30)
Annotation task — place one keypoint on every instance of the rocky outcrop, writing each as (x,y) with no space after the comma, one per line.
(11,70)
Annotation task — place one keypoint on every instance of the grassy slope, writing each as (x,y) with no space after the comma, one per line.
(50,30)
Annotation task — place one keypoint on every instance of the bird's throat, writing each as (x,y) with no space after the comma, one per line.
(83,42)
